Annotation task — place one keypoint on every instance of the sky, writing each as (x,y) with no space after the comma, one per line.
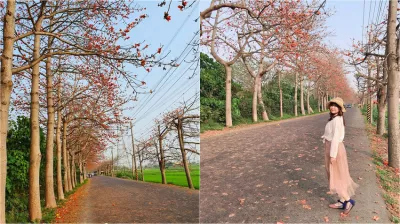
(346,23)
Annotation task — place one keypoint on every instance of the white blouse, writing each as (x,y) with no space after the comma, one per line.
(334,132)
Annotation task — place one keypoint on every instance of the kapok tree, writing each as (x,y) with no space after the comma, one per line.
(83,37)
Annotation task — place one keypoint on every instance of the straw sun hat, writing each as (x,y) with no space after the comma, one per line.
(338,101)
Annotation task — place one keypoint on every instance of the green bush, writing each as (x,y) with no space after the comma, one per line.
(212,109)
(17,181)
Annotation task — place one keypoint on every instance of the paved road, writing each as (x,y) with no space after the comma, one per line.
(275,172)
(114,200)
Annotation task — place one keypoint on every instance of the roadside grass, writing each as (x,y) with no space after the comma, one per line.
(174,175)
(48,214)
(388,178)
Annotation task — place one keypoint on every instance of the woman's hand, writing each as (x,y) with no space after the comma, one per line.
(333,160)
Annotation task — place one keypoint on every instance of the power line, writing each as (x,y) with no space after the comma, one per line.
(373,14)
(379,12)
(150,129)
(384,10)
(195,35)
(155,104)
(154,90)
(179,94)
(362,35)
(368,27)
(166,74)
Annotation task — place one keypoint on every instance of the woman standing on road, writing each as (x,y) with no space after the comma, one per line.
(336,165)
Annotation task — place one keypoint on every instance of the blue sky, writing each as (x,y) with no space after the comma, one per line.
(347,21)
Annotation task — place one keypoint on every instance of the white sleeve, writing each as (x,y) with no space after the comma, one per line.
(337,125)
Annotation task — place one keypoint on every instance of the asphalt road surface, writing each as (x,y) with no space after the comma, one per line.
(114,200)
(275,173)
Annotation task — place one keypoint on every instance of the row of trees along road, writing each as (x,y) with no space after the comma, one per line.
(280,37)
(175,137)
(63,62)
(377,64)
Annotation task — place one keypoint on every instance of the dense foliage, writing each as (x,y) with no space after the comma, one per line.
(212,92)
(17,184)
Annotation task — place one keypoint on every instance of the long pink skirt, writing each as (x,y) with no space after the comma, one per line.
(338,174)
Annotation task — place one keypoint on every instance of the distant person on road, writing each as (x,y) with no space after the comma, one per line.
(336,165)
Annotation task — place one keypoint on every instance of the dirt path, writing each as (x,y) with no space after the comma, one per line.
(273,173)
(114,200)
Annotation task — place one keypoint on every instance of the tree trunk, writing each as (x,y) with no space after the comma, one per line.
(280,95)
(162,159)
(261,102)
(228,72)
(73,170)
(381,95)
(76,177)
(254,102)
(80,171)
(393,88)
(302,96)
(49,195)
(60,192)
(295,95)
(84,171)
(322,102)
(70,173)
(134,167)
(64,155)
(183,152)
(35,210)
(5,93)
(74,173)
(67,178)
(140,164)
(319,101)
(308,100)
(228,99)
(112,162)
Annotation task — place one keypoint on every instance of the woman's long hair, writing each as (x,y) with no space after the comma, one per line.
(340,113)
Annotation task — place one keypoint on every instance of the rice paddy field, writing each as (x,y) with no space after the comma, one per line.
(175,175)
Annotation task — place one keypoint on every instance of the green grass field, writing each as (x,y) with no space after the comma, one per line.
(175,175)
